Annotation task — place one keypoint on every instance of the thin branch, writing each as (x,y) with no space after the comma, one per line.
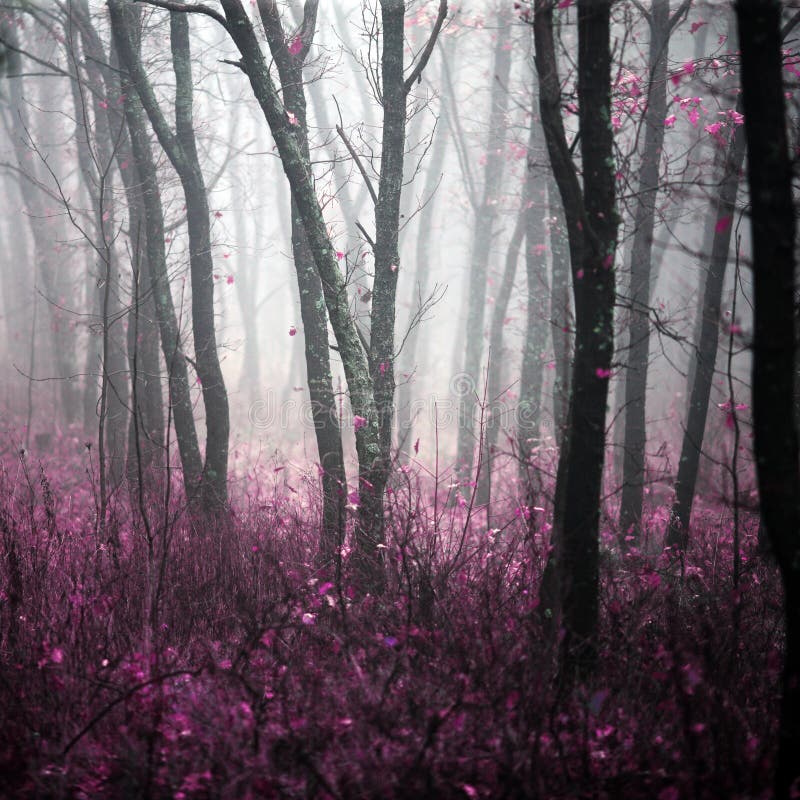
(361,168)
(187,8)
(365,234)
(680,13)
(416,73)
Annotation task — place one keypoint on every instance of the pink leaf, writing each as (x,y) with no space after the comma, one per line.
(359,422)
(723,223)
(565,4)
(697,25)
(669,122)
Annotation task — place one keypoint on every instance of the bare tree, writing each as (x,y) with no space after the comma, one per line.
(769,175)
(661,25)
(181,149)
(485,208)
(290,55)
(125,27)
(368,365)
(592,227)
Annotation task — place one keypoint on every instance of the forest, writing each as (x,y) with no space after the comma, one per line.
(399,399)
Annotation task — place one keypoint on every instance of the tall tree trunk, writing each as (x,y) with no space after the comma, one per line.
(369,402)
(181,149)
(769,174)
(124,24)
(146,419)
(312,298)
(560,310)
(634,463)
(96,162)
(721,220)
(592,226)
(61,341)
(496,406)
(536,328)
(420,287)
(485,215)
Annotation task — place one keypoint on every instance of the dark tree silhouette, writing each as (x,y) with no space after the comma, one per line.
(769,176)
(592,228)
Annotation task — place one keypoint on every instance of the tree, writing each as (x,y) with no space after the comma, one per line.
(661,25)
(290,56)
(181,149)
(368,365)
(50,278)
(125,26)
(769,176)
(591,227)
(485,207)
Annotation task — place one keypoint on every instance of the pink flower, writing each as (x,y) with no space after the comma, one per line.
(339,255)
(292,330)
(295,46)
(602,373)
(292,118)
(669,122)
(359,422)
(229,280)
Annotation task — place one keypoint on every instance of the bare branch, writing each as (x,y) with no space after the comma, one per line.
(416,73)
(361,168)
(187,8)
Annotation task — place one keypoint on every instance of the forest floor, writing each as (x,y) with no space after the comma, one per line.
(217,661)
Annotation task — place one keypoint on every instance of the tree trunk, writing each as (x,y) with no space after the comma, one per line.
(419,291)
(146,422)
(96,162)
(61,340)
(529,409)
(123,25)
(634,464)
(721,219)
(496,405)
(312,298)
(592,225)
(769,174)
(485,215)
(560,310)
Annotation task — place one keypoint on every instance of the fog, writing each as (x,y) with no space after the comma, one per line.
(256,300)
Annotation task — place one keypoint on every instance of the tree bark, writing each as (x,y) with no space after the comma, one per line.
(769,175)
(312,299)
(181,149)
(721,218)
(634,458)
(592,226)
(123,26)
